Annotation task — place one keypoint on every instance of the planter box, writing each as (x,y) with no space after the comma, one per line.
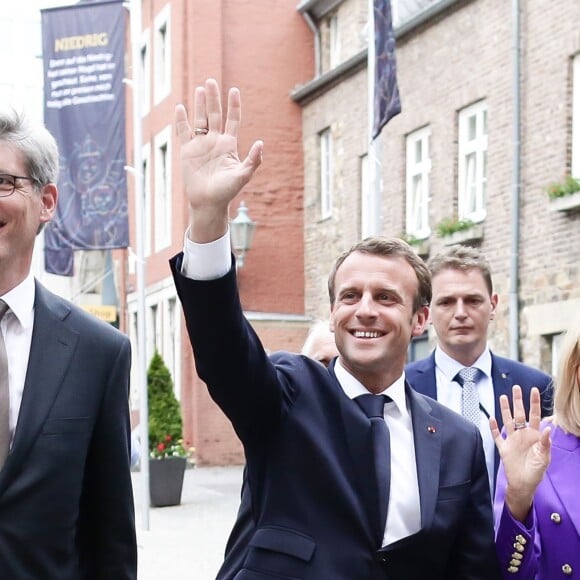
(566,203)
(166,480)
(421,248)
(473,234)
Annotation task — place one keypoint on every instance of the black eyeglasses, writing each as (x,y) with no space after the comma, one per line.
(8,183)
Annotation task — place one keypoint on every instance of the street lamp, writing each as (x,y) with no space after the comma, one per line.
(242,229)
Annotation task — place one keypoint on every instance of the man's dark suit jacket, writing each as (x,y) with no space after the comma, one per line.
(309,509)
(66,504)
(505,373)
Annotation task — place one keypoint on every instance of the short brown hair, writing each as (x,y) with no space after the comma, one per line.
(462,258)
(383,246)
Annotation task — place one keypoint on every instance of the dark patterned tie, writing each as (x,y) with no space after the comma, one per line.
(373,406)
(467,378)
(4,395)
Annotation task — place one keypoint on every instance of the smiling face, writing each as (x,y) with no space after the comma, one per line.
(461,309)
(21,215)
(372,317)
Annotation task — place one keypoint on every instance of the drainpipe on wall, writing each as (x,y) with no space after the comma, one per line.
(516,187)
(316,33)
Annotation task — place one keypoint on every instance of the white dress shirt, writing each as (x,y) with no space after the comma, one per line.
(404,514)
(213,260)
(16,327)
(449,394)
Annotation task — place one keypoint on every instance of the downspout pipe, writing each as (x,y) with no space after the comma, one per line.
(516,185)
(317,58)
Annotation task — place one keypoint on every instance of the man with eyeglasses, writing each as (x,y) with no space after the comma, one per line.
(66,503)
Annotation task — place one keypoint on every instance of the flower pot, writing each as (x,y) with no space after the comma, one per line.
(166,480)
(566,203)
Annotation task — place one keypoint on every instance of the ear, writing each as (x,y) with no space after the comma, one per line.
(494,300)
(421,317)
(49,197)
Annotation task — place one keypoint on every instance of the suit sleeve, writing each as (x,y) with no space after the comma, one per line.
(106,529)
(517,544)
(247,388)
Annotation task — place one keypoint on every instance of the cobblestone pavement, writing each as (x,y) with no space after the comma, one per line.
(187,542)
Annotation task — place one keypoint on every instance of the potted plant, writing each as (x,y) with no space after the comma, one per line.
(564,195)
(167,451)
(458,231)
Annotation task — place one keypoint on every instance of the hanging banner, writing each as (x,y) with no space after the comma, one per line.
(84,108)
(387,98)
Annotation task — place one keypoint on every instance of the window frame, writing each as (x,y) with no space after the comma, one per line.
(472,163)
(417,213)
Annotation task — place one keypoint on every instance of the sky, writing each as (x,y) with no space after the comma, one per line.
(21,49)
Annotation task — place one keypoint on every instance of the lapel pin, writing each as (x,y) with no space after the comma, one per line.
(503,376)
(431,429)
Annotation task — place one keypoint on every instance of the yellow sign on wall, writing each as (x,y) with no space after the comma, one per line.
(106,313)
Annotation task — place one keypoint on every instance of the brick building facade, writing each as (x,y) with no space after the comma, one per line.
(455,62)
(234,41)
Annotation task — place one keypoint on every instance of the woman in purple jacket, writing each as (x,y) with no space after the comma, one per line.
(537,510)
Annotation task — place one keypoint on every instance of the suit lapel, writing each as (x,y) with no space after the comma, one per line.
(51,349)
(425,380)
(502,385)
(427,437)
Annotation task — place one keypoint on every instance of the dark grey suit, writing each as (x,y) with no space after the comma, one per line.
(66,504)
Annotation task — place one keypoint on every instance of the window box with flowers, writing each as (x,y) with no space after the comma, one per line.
(455,231)
(168,454)
(564,196)
(421,246)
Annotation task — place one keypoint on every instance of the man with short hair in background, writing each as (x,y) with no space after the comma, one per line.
(462,307)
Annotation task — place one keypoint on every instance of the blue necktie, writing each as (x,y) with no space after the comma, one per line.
(373,406)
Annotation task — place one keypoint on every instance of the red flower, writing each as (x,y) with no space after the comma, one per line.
(161,447)
(167,437)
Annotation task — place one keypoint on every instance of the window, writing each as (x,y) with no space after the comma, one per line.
(334,41)
(404,10)
(418,348)
(472,162)
(575,170)
(152,332)
(147,202)
(163,201)
(325,174)
(417,194)
(162,46)
(145,75)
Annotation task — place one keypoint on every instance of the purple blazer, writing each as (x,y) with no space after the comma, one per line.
(549,541)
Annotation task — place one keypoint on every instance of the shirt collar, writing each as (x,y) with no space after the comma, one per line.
(353,387)
(21,301)
(450,367)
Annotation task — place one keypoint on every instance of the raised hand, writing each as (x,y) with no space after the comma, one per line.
(213,173)
(525,452)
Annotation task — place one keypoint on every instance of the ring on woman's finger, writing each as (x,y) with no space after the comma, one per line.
(519,425)
(200,131)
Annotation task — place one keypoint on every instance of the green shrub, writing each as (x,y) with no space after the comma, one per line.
(165,422)
(448,226)
(569,186)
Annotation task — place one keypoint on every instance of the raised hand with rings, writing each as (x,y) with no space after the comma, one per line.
(213,173)
(524,450)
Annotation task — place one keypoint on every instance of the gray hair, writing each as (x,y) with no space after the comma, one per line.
(35,142)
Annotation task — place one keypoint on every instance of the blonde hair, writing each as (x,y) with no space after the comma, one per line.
(567,388)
